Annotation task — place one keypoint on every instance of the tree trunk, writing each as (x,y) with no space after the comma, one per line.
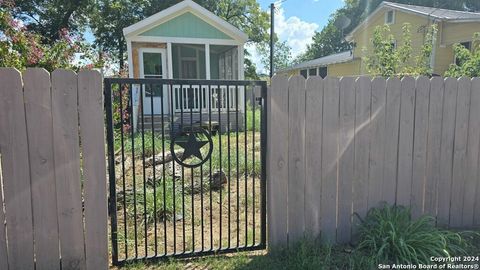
(120,54)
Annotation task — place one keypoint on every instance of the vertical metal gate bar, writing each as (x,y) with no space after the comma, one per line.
(201,167)
(229,162)
(254,101)
(164,180)
(183,97)
(220,157)
(246,161)
(263,149)
(210,161)
(238,165)
(154,169)
(111,169)
(142,92)
(172,127)
(191,104)
(122,149)
(134,176)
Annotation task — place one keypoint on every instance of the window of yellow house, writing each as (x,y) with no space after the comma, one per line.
(304,73)
(322,72)
(390,17)
(468,46)
(312,72)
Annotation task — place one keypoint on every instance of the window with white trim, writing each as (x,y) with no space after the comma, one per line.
(390,17)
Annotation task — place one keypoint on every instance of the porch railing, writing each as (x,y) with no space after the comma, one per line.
(200,97)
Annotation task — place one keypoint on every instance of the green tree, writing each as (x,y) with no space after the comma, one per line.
(468,61)
(21,48)
(111,16)
(282,55)
(389,59)
(48,18)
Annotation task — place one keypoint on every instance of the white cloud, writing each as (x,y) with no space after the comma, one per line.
(296,32)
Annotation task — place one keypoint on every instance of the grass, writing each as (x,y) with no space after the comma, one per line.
(158,205)
(253,117)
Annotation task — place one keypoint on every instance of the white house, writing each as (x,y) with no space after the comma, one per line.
(185,41)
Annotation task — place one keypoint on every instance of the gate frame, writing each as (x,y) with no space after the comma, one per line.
(112,199)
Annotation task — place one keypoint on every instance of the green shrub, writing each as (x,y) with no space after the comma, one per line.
(390,235)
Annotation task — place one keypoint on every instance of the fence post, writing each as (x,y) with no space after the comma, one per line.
(277,161)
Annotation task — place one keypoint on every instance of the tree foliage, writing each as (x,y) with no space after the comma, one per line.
(468,61)
(330,40)
(282,55)
(21,48)
(389,59)
(48,18)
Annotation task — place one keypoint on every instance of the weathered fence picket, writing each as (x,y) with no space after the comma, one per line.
(277,162)
(296,158)
(15,171)
(313,157)
(42,225)
(411,142)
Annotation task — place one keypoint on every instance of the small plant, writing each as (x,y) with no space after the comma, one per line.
(391,236)
(468,61)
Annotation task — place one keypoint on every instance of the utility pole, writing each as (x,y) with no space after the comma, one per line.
(272,34)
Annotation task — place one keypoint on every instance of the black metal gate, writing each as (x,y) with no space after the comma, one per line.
(186,167)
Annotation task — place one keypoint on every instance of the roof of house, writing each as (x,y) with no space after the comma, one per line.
(322,61)
(178,9)
(439,13)
(449,15)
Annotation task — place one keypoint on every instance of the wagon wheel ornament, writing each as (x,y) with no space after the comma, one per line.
(192,148)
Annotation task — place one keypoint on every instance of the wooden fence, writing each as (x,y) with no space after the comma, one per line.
(53,214)
(341,146)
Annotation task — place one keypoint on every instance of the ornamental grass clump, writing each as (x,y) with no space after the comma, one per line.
(390,235)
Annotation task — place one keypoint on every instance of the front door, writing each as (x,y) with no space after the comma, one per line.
(153,65)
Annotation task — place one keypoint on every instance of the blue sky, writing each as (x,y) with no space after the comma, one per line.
(297,20)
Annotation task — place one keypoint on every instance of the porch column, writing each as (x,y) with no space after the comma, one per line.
(241,76)
(241,71)
(169,60)
(207,61)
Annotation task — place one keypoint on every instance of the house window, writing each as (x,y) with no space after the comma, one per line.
(390,17)
(304,73)
(323,72)
(312,72)
(468,46)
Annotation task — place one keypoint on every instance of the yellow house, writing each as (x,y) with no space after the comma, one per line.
(453,27)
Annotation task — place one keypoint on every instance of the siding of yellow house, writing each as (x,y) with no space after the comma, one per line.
(345,69)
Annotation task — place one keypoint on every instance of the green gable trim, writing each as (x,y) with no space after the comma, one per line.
(186,25)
